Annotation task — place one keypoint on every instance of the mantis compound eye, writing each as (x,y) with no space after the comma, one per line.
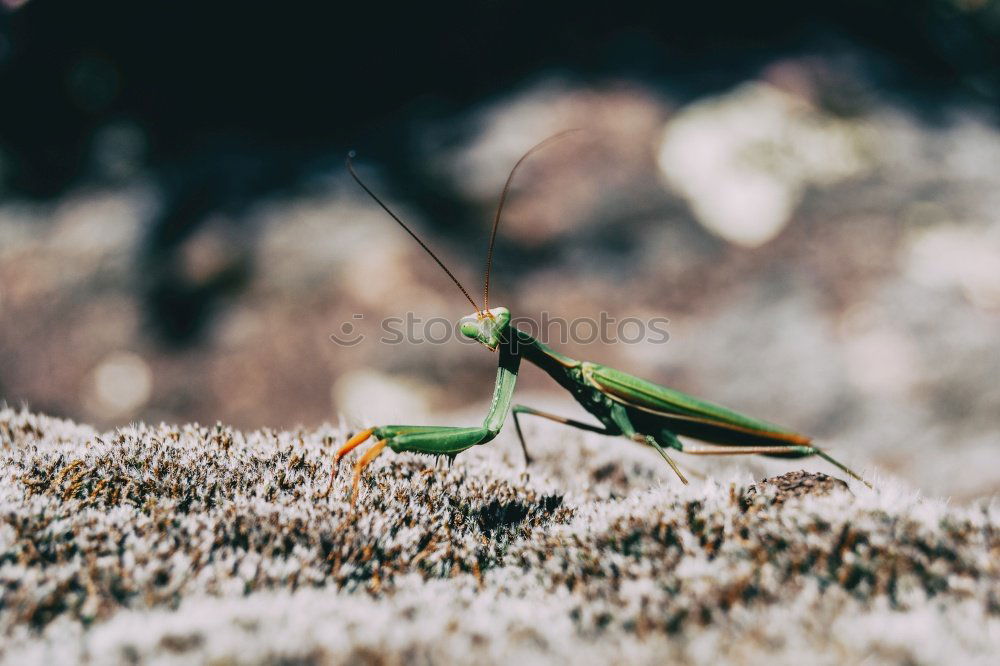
(469,328)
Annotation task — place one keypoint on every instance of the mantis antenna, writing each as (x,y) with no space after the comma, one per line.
(350,167)
(503,197)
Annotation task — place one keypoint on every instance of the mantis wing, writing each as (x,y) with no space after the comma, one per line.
(684,414)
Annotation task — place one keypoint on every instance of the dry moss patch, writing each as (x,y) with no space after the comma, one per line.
(156,543)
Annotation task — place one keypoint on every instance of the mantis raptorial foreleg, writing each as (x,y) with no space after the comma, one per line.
(436,440)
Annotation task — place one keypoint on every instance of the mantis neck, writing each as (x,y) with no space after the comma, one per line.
(560,367)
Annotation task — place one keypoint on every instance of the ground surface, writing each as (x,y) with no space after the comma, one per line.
(176,544)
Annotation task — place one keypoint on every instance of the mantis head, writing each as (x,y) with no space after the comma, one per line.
(487,327)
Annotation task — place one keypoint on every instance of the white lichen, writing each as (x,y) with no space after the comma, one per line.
(169,544)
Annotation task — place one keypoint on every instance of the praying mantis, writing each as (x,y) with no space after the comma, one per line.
(624,405)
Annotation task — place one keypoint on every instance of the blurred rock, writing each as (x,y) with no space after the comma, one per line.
(121,384)
(569,185)
(365,396)
(948,256)
(742,160)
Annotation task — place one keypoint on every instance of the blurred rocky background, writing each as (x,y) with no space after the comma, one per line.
(809,193)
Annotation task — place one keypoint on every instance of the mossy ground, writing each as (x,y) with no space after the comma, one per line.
(164,544)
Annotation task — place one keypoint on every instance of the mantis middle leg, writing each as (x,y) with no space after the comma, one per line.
(524,409)
(623,427)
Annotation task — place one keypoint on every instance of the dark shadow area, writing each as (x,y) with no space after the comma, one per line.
(229,102)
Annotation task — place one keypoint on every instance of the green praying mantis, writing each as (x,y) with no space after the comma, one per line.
(625,405)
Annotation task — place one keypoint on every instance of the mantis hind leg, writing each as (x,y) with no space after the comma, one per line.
(796,451)
(523,409)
